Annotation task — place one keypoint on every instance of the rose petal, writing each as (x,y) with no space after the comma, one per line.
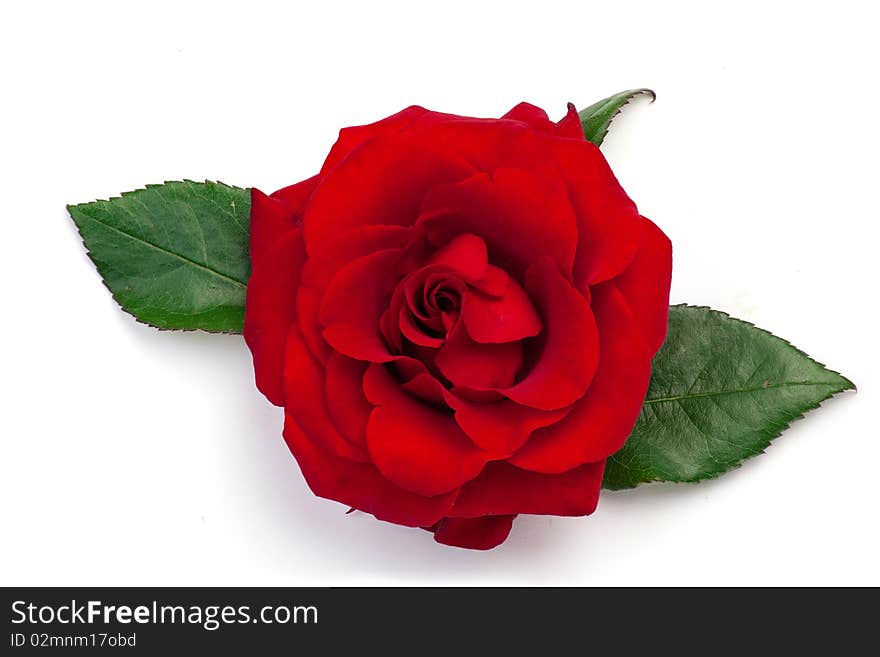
(320,268)
(415,333)
(467,363)
(474,533)
(570,341)
(350,245)
(389,322)
(488,144)
(522,216)
(296,196)
(414,308)
(359,485)
(479,396)
(494,283)
(273,217)
(277,255)
(608,223)
(354,302)
(500,427)
(382,182)
(270,310)
(305,399)
(645,284)
(535,117)
(308,304)
(352,137)
(405,368)
(419,288)
(416,446)
(348,406)
(600,423)
(570,124)
(500,319)
(427,388)
(502,488)
(465,254)
(532,116)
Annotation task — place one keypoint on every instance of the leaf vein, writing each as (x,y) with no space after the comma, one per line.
(198,265)
(721,393)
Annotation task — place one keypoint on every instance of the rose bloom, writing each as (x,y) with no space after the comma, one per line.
(458,316)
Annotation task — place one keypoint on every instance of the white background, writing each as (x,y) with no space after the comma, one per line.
(132,456)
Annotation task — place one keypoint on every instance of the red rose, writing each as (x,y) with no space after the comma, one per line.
(458,316)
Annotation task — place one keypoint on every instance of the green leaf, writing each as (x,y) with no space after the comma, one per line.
(174,255)
(596,118)
(721,390)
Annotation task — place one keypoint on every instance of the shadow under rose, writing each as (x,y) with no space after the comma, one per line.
(295,538)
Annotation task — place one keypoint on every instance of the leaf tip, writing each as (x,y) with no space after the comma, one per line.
(597,118)
(646,92)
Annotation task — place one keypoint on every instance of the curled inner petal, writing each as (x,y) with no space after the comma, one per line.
(503,317)
(464,318)
(419,448)
(569,352)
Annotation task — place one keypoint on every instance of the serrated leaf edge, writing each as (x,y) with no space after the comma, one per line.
(631,95)
(847,385)
(99,268)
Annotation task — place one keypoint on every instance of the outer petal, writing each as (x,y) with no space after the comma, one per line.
(532,116)
(570,125)
(346,402)
(382,182)
(502,488)
(305,400)
(521,214)
(350,245)
(645,284)
(296,196)
(354,302)
(271,294)
(491,143)
(418,447)
(320,268)
(601,422)
(360,485)
(308,305)
(609,228)
(273,217)
(474,533)
(352,137)
(570,350)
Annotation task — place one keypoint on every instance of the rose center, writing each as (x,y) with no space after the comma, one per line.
(443,299)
